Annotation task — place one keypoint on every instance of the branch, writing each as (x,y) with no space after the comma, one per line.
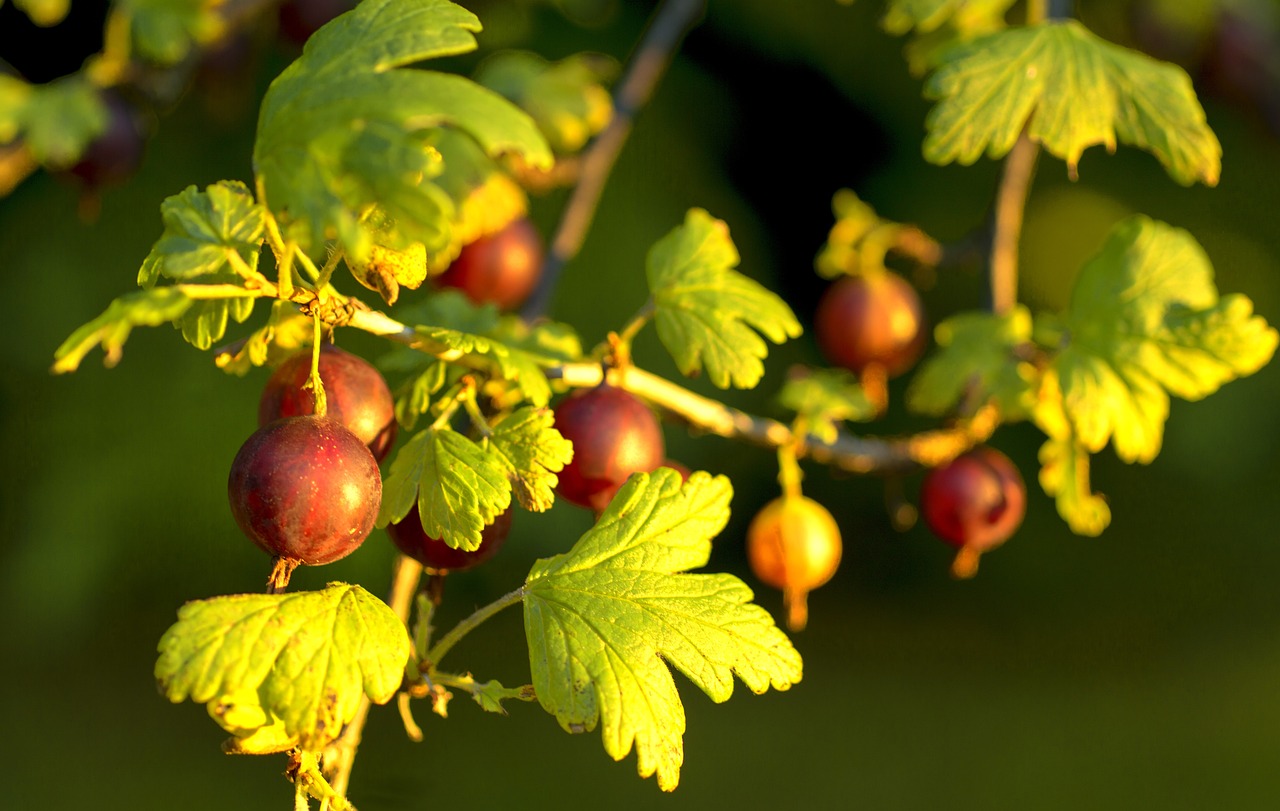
(646,68)
(1011,201)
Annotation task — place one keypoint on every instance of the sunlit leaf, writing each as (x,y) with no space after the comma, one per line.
(606,620)
(978,357)
(302,660)
(534,452)
(1072,90)
(708,314)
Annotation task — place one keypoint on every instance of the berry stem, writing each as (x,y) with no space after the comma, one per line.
(469,624)
(1011,201)
(315,383)
(281,571)
(649,62)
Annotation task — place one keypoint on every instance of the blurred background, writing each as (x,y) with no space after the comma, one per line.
(1135,670)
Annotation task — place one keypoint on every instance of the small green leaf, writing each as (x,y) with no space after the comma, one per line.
(1064,475)
(205,322)
(165,31)
(1145,321)
(490,694)
(524,371)
(286,331)
(56,120)
(567,99)
(342,129)
(307,657)
(940,24)
(145,308)
(414,398)
(1072,90)
(201,228)
(459,487)
(548,340)
(607,619)
(451,309)
(534,451)
(824,398)
(978,354)
(707,311)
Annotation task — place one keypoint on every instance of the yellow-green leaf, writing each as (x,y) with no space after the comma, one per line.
(1064,475)
(1072,90)
(977,352)
(606,620)
(301,660)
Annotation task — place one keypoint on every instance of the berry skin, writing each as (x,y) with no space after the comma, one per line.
(878,320)
(974,503)
(114,155)
(355,394)
(435,554)
(305,489)
(614,435)
(502,268)
(793,544)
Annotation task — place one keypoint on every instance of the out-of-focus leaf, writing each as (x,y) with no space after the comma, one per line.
(567,99)
(1071,90)
(978,351)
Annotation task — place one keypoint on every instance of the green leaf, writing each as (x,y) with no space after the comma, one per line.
(485,200)
(605,621)
(44,13)
(342,128)
(1146,321)
(706,311)
(524,371)
(978,354)
(205,322)
(552,341)
(459,487)
(307,657)
(490,694)
(451,309)
(567,98)
(201,228)
(534,451)
(56,120)
(824,398)
(145,308)
(1072,90)
(1064,475)
(414,398)
(940,24)
(165,31)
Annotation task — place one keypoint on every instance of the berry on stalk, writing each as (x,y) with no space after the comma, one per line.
(357,396)
(871,320)
(433,553)
(793,544)
(614,434)
(305,490)
(974,503)
(502,268)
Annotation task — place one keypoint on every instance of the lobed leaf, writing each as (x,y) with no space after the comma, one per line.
(824,398)
(939,25)
(166,31)
(458,486)
(301,659)
(1145,321)
(978,354)
(201,228)
(606,620)
(533,451)
(342,129)
(1071,90)
(144,308)
(707,314)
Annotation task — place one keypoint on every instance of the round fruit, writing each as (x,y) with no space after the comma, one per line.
(413,540)
(793,544)
(614,435)
(116,153)
(871,320)
(305,489)
(974,503)
(502,268)
(355,395)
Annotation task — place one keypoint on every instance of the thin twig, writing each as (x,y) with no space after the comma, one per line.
(652,56)
(1011,201)
(403,587)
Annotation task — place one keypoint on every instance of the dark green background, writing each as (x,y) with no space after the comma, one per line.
(1135,670)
